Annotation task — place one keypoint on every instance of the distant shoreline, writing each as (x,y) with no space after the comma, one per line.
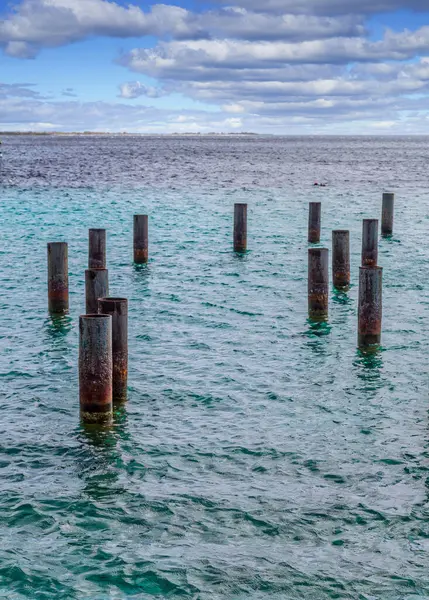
(125,134)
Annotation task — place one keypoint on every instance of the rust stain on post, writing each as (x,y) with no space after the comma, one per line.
(341,259)
(314,222)
(95,368)
(58,278)
(318,283)
(240,227)
(370,306)
(118,309)
(96,286)
(141,239)
(97,249)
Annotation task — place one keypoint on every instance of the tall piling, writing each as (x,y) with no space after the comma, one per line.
(97,249)
(370,306)
(240,227)
(370,242)
(58,278)
(387,214)
(341,259)
(96,286)
(118,309)
(95,368)
(314,222)
(318,283)
(141,239)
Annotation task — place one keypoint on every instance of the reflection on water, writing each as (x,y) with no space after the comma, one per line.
(58,325)
(342,297)
(369,365)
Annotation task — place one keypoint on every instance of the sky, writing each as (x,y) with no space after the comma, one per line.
(298,67)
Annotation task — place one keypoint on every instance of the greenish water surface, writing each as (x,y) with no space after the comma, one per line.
(259,456)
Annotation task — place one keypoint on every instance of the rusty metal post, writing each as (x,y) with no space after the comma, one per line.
(95,368)
(341,258)
(370,305)
(240,227)
(141,239)
(314,222)
(118,309)
(96,286)
(97,249)
(318,283)
(387,214)
(370,243)
(58,278)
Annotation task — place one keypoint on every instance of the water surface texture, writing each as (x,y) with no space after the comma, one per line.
(259,456)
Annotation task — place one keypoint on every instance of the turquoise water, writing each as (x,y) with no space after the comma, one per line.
(259,456)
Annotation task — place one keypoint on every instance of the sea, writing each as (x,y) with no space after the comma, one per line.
(259,455)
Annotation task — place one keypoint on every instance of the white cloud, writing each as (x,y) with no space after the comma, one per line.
(134,89)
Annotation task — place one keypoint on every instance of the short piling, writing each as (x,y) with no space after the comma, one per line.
(341,259)
(58,278)
(96,286)
(387,214)
(370,242)
(314,222)
(95,368)
(318,283)
(240,227)
(141,239)
(118,309)
(97,249)
(370,306)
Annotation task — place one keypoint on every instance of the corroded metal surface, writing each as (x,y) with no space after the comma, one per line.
(387,214)
(369,242)
(97,249)
(141,239)
(118,309)
(58,278)
(318,283)
(95,368)
(240,227)
(96,286)
(341,259)
(370,305)
(314,222)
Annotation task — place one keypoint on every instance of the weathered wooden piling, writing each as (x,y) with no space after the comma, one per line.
(118,309)
(387,214)
(370,242)
(370,306)
(96,286)
(58,278)
(341,259)
(97,249)
(141,239)
(318,283)
(240,227)
(95,368)
(314,222)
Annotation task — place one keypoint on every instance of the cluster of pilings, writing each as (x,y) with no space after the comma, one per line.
(103,330)
(370,274)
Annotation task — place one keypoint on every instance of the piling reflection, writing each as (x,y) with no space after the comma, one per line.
(341,296)
(369,365)
(57,326)
(100,461)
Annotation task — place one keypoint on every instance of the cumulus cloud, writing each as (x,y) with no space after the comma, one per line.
(134,89)
(268,66)
(36,24)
